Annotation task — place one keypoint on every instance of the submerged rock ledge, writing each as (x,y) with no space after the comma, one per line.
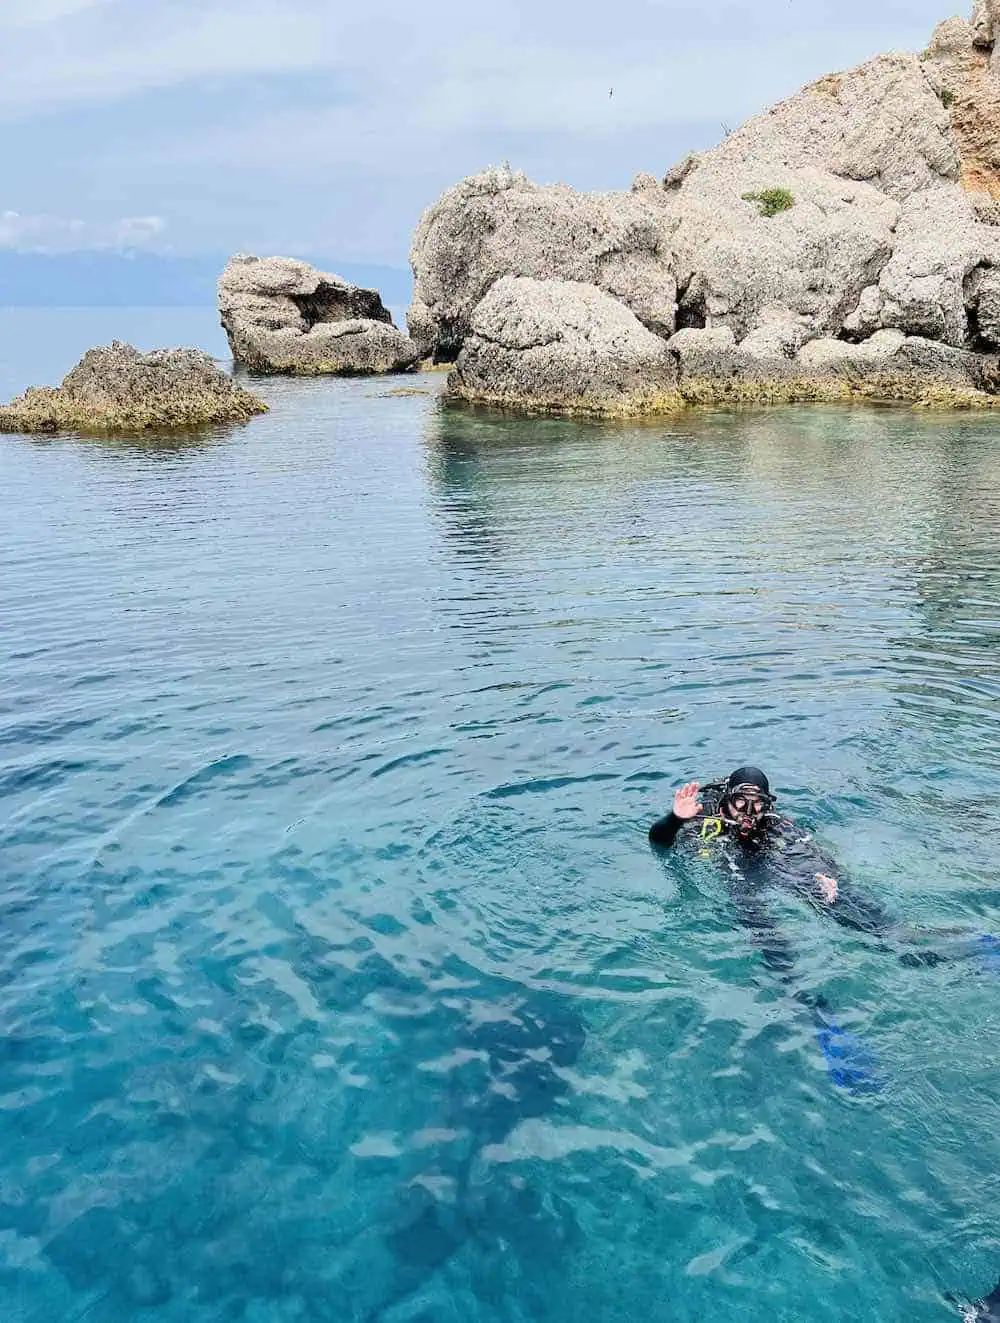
(843,245)
(116,388)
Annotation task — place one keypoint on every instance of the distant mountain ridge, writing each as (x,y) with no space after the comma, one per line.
(104,279)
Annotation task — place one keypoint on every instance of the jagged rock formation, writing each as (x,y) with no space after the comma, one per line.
(501,224)
(116,388)
(566,347)
(963,64)
(867,203)
(284,316)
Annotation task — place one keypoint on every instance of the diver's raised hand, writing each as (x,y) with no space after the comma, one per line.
(686,803)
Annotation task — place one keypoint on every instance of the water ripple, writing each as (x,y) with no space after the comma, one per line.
(339,980)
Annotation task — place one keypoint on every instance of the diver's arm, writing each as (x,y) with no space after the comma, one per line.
(686,808)
(824,886)
(815,875)
(664,831)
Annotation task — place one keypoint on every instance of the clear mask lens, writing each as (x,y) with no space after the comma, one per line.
(755,807)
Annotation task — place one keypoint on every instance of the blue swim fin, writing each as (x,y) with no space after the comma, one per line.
(988,953)
(850,1064)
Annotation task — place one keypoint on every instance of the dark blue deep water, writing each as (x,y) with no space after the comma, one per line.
(337,980)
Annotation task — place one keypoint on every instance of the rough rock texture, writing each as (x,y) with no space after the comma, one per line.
(117,388)
(849,149)
(562,346)
(889,366)
(282,315)
(927,287)
(962,63)
(499,223)
(984,291)
(869,202)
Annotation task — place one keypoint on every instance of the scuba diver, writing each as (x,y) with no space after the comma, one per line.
(735,820)
(760,847)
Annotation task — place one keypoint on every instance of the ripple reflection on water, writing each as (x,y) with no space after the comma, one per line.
(339,981)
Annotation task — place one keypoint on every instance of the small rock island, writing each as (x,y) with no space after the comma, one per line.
(116,388)
(283,316)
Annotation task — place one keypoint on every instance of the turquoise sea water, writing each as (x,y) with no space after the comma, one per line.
(338,980)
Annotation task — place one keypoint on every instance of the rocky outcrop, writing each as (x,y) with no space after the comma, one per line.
(925,288)
(117,388)
(846,152)
(962,63)
(559,346)
(713,369)
(866,204)
(499,224)
(284,316)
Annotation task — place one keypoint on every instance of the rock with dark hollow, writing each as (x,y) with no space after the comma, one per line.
(117,388)
(560,346)
(284,316)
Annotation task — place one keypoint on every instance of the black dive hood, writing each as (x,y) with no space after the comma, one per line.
(748,776)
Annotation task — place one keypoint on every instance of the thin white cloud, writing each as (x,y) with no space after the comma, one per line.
(108,50)
(127,48)
(36,13)
(503,89)
(64,233)
(324,124)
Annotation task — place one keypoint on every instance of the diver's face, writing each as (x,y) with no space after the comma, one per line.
(745,810)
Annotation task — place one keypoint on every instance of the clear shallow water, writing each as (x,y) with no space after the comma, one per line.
(338,979)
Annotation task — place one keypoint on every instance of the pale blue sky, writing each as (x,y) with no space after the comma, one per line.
(325,126)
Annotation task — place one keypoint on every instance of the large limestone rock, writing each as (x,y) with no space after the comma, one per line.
(866,204)
(739,268)
(117,388)
(282,315)
(499,223)
(985,23)
(984,291)
(891,366)
(846,151)
(557,346)
(962,63)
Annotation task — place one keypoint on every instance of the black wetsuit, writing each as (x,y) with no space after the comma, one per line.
(781,854)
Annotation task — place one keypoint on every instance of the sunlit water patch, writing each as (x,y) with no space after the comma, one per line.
(339,979)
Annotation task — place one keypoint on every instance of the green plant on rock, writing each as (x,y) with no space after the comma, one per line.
(771,200)
(947,98)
